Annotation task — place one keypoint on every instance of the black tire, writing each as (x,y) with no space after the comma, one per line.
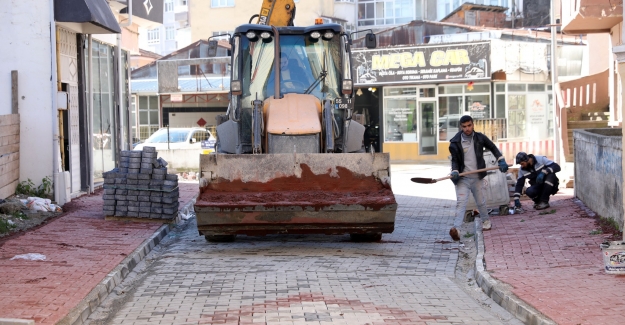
(220,238)
(366,238)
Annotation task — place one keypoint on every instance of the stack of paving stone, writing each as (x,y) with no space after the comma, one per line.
(141,187)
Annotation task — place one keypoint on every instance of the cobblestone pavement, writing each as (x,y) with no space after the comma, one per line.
(407,278)
(80,249)
(552,260)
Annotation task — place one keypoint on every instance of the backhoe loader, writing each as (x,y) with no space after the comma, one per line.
(289,159)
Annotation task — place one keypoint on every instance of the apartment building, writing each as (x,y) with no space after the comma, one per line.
(173,34)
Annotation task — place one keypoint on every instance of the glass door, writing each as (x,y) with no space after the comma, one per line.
(428,127)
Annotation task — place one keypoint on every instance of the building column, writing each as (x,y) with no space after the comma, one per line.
(619,51)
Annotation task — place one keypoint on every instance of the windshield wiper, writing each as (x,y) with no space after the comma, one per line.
(321,77)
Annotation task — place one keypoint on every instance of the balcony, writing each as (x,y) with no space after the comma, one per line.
(590,16)
(182,17)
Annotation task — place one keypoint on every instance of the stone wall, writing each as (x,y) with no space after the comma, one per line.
(599,172)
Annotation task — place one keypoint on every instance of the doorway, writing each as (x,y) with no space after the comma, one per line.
(428,126)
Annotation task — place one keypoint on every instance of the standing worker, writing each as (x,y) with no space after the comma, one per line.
(467,154)
(541,172)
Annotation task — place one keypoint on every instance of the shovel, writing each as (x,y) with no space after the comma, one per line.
(434,180)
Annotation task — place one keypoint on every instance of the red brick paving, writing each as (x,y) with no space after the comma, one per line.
(81,248)
(553,263)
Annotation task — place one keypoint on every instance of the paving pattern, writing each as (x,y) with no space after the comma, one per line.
(407,278)
(553,262)
(80,249)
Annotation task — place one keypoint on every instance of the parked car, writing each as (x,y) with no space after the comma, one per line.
(179,138)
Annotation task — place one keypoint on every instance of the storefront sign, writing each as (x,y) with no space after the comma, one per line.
(423,64)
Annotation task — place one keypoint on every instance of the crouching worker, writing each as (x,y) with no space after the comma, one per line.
(541,173)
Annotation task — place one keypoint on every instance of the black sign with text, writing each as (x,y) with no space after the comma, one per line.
(423,64)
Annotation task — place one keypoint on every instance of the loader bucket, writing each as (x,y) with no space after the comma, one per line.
(295,194)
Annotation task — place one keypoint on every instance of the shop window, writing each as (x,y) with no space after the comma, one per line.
(536,87)
(400,119)
(516,116)
(516,87)
(449,113)
(500,106)
(427,92)
(478,106)
(479,88)
(400,91)
(449,90)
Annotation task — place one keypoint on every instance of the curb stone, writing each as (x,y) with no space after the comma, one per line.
(79,314)
(493,289)
(16,321)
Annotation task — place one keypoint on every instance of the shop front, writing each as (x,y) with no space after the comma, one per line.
(424,90)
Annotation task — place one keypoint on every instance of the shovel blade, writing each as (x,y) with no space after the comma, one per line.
(423,180)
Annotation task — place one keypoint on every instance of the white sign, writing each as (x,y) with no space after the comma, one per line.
(536,116)
(175,97)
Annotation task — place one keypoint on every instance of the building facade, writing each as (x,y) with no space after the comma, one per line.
(413,96)
(174,33)
(72,87)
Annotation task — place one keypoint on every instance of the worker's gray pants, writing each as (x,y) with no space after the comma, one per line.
(464,188)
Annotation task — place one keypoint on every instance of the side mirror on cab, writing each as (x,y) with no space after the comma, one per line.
(371,41)
(212,48)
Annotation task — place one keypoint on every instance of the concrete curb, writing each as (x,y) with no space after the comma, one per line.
(16,321)
(494,290)
(79,314)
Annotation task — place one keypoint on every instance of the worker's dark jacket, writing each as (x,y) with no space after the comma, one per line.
(541,163)
(480,141)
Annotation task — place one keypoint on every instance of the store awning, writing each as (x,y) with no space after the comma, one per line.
(92,16)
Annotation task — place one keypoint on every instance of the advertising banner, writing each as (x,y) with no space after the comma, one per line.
(422,64)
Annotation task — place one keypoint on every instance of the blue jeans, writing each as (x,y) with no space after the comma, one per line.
(464,188)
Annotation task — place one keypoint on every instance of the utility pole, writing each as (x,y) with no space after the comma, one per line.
(554,81)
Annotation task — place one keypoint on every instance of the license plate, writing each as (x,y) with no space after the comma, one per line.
(344,103)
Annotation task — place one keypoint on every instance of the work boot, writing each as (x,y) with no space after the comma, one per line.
(455,235)
(486,225)
(541,206)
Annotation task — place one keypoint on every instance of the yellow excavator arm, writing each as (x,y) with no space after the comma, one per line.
(277,13)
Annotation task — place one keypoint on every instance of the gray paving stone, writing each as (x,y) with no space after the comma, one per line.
(410,270)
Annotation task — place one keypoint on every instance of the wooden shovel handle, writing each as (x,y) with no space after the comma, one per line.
(471,172)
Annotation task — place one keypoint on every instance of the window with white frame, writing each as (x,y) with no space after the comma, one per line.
(222,3)
(383,12)
(400,115)
(169,5)
(154,36)
(183,2)
(148,116)
(170,33)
